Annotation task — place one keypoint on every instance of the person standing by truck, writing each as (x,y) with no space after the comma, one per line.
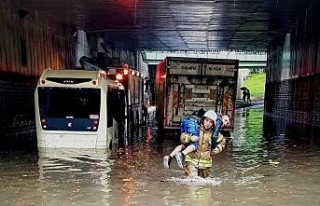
(102,52)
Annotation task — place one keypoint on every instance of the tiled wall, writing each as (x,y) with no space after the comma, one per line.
(17,127)
(296,102)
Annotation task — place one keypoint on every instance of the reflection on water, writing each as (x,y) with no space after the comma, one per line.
(259,167)
(67,176)
(247,145)
(196,180)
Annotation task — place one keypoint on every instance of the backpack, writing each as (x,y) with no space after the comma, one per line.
(191,125)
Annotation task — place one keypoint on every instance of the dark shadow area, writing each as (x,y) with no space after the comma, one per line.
(293,133)
(17,124)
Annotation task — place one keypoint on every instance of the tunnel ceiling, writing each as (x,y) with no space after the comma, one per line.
(247,25)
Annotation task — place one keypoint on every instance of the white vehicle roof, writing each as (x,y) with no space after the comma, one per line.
(80,74)
(70,73)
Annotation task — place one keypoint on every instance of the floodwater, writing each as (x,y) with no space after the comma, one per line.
(256,168)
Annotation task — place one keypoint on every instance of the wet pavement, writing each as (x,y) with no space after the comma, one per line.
(258,167)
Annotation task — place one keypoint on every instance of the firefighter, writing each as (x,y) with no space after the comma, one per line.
(210,125)
(201,159)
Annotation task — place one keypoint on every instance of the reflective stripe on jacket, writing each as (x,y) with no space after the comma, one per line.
(202,157)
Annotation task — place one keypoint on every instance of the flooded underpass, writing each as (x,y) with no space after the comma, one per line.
(258,167)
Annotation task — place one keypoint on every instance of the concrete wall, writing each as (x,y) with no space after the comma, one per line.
(17,127)
(82,47)
(28,45)
(292,92)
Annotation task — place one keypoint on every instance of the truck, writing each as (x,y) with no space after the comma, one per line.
(185,85)
(133,83)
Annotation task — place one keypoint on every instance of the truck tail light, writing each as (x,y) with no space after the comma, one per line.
(119,77)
